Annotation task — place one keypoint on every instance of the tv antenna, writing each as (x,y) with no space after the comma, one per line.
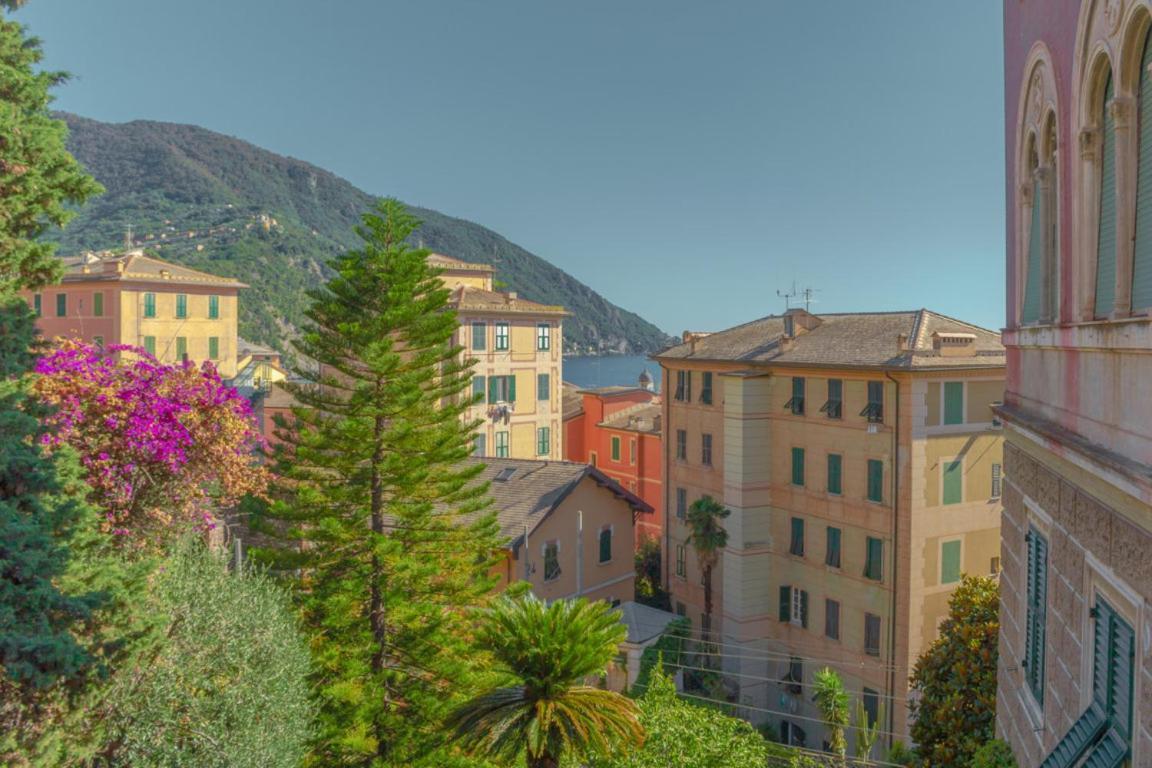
(804,294)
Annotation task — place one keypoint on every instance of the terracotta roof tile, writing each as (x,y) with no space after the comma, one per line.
(467,298)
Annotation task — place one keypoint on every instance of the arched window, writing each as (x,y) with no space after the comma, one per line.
(1040,267)
(1142,255)
(1034,267)
(1106,233)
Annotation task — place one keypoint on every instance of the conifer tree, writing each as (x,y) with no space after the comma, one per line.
(39,504)
(394,534)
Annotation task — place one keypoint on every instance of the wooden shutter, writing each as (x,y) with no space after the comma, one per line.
(785,603)
(797,547)
(1142,258)
(1120,663)
(1106,237)
(874,567)
(605,545)
(804,609)
(832,556)
(477,387)
(834,483)
(950,562)
(875,480)
(98,304)
(1034,269)
(953,402)
(511,388)
(953,482)
(1079,737)
(492,384)
(1037,591)
(798,466)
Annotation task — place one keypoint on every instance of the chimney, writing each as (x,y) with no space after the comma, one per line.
(789,326)
(902,342)
(510,297)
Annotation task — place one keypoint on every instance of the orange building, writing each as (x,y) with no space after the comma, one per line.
(131,298)
(617,430)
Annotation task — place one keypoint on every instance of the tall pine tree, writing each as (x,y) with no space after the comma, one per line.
(40,503)
(395,538)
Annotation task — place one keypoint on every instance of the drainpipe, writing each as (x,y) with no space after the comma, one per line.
(895,562)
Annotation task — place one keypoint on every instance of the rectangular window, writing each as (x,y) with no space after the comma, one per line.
(480,445)
(681,445)
(794,605)
(1036,589)
(181,306)
(543,337)
(953,402)
(832,619)
(797,466)
(98,304)
(871,706)
(792,735)
(501,337)
(592,458)
(543,386)
(38,304)
(796,546)
(835,484)
(997,481)
(61,305)
(213,307)
(98,341)
(478,384)
(706,388)
(149,305)
(706,449)
(615,448)
(501,445)
(213,347)
(950,562)
(832,552)
(834,406)
(606,545)
(181,348)
(501,389)
(681,503)
(632,451)
(874,411)
(871,634)
(875,480)
(543,441)
(683,386)
(479,337)
(150,345)
(551,558)
(953,481)
(796,402)
(681,571)
(874,562)
(994,566)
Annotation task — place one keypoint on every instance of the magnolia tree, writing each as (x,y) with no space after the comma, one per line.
(160,443)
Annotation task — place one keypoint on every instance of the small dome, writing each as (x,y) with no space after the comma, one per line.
(645,380)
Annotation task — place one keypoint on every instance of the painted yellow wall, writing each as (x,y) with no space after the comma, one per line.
(196,328)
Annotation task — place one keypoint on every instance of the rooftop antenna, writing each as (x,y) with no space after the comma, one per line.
(794,293)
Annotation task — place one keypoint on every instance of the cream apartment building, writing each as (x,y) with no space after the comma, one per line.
(518,346)
(862,465)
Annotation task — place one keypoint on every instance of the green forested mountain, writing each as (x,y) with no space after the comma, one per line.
(223,205)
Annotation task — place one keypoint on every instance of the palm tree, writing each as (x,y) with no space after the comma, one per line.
(708,537)
(832,700)
(548,712)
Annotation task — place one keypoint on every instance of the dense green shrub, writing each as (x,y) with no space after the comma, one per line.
(994,754)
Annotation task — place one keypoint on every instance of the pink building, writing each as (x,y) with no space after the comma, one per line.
(1075,680)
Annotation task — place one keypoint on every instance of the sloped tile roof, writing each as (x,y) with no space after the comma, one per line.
(572,404)
(138,266)
(642,417)
(467,298)
(534,488)
(867,339)
(447,262)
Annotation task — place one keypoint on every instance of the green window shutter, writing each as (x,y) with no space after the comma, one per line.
(477,387)
(181,305)
(1034,269)
(149,305)
(479,337)
(834,465)
(1036,607)
(181,347)
(615,449)
(950,562)
(543,386)
(874,565)
(953,402)
(605,545)
(543,441)
(875,480)
(804,609)
(512,388)
(797,466)
(38,304)
(493,395)
(1142,259)
(1106,237)
(98,304)
(213,307)
(832,555)
(150,345)
(61,305)
(796,546)
(785,603)
(953,482)
(1079,738)
(706,388)
(1120,677)
(213,347)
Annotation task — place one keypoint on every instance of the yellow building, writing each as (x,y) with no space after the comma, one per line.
(134,299)
(518,346)
(862,465)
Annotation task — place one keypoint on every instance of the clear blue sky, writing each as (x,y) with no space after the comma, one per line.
(684,158)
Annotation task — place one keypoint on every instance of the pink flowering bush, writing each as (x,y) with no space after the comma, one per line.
(160,443)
